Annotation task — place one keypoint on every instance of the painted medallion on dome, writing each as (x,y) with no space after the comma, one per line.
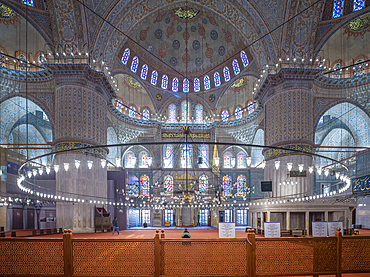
(132,82)
(238,83)
(186,14)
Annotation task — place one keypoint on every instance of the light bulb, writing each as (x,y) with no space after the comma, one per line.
(34,171)
(103,162)
(263,164)
(233,162)
(47,169)
(150,161)
(118,162)
(40,171)
(289,166)
(56,168)
(300,167)
(89,164)
(66,166)
(326,172)
(249,161)
(277,165)
(29,174)
(217,161)
(319,171)
(337,174)
(77,163)
(310,169)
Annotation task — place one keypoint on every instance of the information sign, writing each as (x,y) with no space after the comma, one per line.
(226,230)
(272,229)
(319,228)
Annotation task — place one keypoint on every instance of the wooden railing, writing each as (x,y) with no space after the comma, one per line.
(248,256)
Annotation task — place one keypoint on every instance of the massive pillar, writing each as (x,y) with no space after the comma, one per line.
(288,104)
(81,99)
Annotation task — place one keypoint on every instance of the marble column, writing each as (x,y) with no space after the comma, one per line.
(288,220)
(288,104)
(268,216)
(326,216)
(80,121)
(255,220)
(262,221)
(307,220)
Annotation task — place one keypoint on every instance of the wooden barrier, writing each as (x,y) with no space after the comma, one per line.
(159,256)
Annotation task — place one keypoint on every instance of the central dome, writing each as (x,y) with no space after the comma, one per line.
(190,40)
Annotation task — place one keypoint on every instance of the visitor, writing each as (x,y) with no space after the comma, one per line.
(115,225)
(186,234)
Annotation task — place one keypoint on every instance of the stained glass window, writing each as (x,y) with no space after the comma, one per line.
(168,156)
(143,160)
(125,56)
(227,185)
(130,160)
(45,116)
(238,113)
(336,74)
(244,58)
(250,107)
(185,86)
(186,155)
(241,161)
(153,79)
(132,112)
(172,113)
(358,5)
(22,61)
(134,64)
(226,74)
(175,85)
(338,8)
(204,155)
(321,120)
(196,85)
(185,114)
(164,82)
(146,114)
(199,114)
(241,185)
(359,69)
(144,72)
(225,115)
(28,2)
(217,79)
(227,160)
(144,185)
(207,83)
(236,67)
(2,60)
(119,106)
(203,184)
(168,185)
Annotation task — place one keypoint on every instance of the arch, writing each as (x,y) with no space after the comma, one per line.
(132,111)
(134,64)
(352,116)
(144,185)
(203,184)
(144,72)
(217,79)
(236,67)
(185,86)
(164,83)
(225,115)
(154,78)
(175,84)
(241,183)
(168,185)
(238,113)
(196,85)
(227,187)
(226,74)
(207,83)
(241,160)
(143,159)
(227,160)
(125,56)
(145,113)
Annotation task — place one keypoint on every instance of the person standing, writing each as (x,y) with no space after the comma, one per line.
(115,225)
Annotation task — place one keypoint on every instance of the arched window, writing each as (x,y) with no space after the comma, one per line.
(321,120)
(168,156)
(241,185)
(238,113)
(28,2)
(143,160)
(203,184)
(153,79)
(225,115)
(164,82)
(217,79)
(132,112)
(168,185)
(199,114)
(358,5)
(204,154)
(338,8)
(185,114)
(146,114)
(359,69)
(130,160)
(45,116)
(134,64)
(241,161)
(227,185)
(244,58)
(125,56)
(226,74)
(236,67)
(337,73)
(172,113)
(196,85)
(207,83)
(185,86)
(250,107)
(186,155)
(22,62)
(119,106)
(227,160)
(144,185)
(144,72)
(175,85)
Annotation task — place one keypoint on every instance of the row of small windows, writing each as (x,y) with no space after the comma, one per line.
(358,69)
(28,2)
(338,7)
(185,113)
(185,84)
(238,112)
(227,185)
(132,111)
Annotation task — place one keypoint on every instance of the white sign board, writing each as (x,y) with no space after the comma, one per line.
(272,229)
(319,228)
(226,230)
(332,227)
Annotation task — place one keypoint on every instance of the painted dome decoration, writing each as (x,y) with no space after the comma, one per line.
(186,14)
(132,82)
(238,83)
